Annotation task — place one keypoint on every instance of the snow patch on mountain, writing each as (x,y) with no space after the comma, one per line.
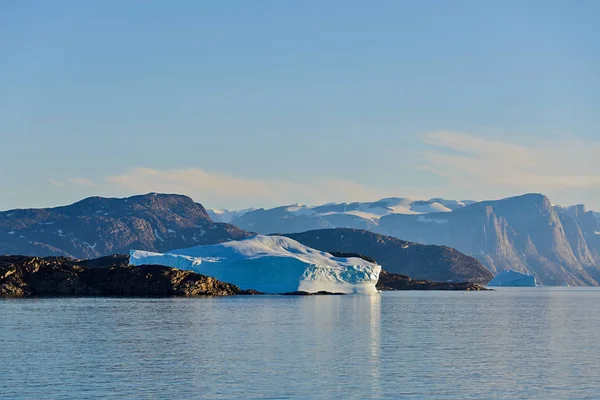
(222,215)
(366,210)
(91,246)
(361,214)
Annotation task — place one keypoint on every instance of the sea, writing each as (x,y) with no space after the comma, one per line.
(511,343)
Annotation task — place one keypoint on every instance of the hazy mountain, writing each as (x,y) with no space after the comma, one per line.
(524,233)
(98,226)
(299,218)
(436,263)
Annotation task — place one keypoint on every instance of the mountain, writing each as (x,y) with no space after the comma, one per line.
(434,263)
(299,218)
(271,264)
(98,226)
(559,245)
(524,233)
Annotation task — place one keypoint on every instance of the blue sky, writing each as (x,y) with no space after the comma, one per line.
(258,103)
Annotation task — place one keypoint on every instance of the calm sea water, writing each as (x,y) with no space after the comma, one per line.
(513,343)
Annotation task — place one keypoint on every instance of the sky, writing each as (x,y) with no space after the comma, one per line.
(262,103)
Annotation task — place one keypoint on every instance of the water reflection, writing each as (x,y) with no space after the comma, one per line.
(504,344)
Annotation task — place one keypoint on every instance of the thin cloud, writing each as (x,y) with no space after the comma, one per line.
(82,182)
(225,190)
(465,166)
(55,183)
(492,166)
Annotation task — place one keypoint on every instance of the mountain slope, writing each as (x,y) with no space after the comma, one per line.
(98,226)
(523,233)
(436,263)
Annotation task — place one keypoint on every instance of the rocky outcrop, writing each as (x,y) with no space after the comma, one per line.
(434,263)
(22,276)
(99,226)
(389,281)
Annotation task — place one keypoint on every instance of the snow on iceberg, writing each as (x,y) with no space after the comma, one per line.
(513,278)
(270,264)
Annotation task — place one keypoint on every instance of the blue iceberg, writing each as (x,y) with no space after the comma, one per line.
(513,278)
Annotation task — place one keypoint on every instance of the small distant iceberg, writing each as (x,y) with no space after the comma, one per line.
(514,278)
(270,264)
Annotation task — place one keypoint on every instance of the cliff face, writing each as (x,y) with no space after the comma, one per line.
(434,263)
(98,226)
(111,276)
(524,233)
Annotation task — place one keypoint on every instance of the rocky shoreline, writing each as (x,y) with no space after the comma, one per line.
(23,276)
(389,281)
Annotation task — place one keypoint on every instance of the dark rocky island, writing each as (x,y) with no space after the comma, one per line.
(389,281)
(22,276)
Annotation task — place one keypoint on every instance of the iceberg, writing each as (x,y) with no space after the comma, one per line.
(513,278)
(270,264)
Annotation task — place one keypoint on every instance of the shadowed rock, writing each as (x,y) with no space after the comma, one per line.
(388,281)
(22,276)
(434,263)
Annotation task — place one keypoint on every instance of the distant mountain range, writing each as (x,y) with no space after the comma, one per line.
(301,218)
(559,245)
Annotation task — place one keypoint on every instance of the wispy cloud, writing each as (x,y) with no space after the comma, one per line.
(55,183)
(466,166)
(82,182)
(492,166)
(224,190)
